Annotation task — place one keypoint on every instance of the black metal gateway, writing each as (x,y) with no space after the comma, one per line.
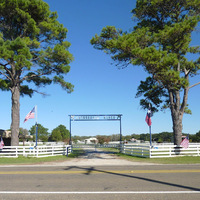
(111,117)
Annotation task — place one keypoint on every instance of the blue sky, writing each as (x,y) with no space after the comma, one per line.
(100,88)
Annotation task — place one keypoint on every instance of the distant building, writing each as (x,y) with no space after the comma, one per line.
(92,140)
(6,135)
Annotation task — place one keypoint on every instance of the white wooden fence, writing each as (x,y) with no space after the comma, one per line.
(31,151)
(160,150)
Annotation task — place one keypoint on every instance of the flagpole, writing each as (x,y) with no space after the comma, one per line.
(36,127)
(150,136)
(36,114)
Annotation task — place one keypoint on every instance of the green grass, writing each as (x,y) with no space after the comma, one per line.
(76,152)
(31,160)
(21,160)
(173,160)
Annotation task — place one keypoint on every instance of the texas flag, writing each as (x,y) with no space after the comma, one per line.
(148,117)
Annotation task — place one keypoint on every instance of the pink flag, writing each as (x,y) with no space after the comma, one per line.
(1,143)
(185,142)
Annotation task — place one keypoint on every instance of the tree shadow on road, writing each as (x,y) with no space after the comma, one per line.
(90,170)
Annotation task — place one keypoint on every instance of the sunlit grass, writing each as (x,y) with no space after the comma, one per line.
(78,152)
(32,160)
(172,160)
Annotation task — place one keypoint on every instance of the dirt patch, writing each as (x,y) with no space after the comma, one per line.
(96,157)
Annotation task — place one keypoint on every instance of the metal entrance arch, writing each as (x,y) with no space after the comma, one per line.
(111,117)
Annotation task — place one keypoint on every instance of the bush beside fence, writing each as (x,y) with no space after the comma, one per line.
(39,151)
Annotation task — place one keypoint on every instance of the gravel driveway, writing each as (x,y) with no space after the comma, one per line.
(97,157)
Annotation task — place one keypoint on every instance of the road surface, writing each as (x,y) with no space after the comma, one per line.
(98,181)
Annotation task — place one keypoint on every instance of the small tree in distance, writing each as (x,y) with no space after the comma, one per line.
(43,133)
(60,133)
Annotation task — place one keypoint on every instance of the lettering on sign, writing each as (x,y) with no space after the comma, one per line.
(94,117)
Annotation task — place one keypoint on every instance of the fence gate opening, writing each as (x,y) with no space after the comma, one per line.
(111,117)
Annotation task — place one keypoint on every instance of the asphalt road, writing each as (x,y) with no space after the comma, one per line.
(139,182)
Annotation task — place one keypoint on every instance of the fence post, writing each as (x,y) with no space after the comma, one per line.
(149,152)
(52,150)
(170,151)
(24,153)
(36,148)
(67,151)
(16,151)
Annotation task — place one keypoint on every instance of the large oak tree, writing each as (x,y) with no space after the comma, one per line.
(160,42)
(33,51)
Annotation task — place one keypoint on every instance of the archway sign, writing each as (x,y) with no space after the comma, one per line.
(111,117)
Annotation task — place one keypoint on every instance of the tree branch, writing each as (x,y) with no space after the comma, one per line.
(7,70)
(194,85)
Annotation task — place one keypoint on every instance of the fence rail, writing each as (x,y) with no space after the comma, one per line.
(95,146)
(39,151)
(161,151)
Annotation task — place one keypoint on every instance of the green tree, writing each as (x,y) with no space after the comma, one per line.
(103,139)
(43,133)
(23,133)
(33,51)
(60,133)
(56,135)
(160,42)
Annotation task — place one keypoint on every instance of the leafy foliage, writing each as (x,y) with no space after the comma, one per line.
(33,51)
(160,42)
(32,45)
(103,139)
(60,133)
(43,133)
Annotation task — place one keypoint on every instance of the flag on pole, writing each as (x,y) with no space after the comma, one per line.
(1,144)
(185,142)
(30,115)
(148,116)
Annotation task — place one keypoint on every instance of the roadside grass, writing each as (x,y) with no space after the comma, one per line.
(77,152)
(172,160)
(21,160)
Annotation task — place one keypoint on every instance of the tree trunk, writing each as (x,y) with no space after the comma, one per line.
(177,128)
(177,110)
(15,115)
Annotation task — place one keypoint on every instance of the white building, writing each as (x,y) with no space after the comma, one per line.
(91,140)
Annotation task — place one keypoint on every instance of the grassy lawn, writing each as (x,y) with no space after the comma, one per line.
(77,152)
(30,160)
(174,160)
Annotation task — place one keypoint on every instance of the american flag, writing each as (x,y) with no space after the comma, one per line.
(185,142)
(30,115)
(148,117)
(1,143)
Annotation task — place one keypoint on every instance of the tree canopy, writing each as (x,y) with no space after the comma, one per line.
(160,43)
(43,133)
(33,51)
(60,133)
